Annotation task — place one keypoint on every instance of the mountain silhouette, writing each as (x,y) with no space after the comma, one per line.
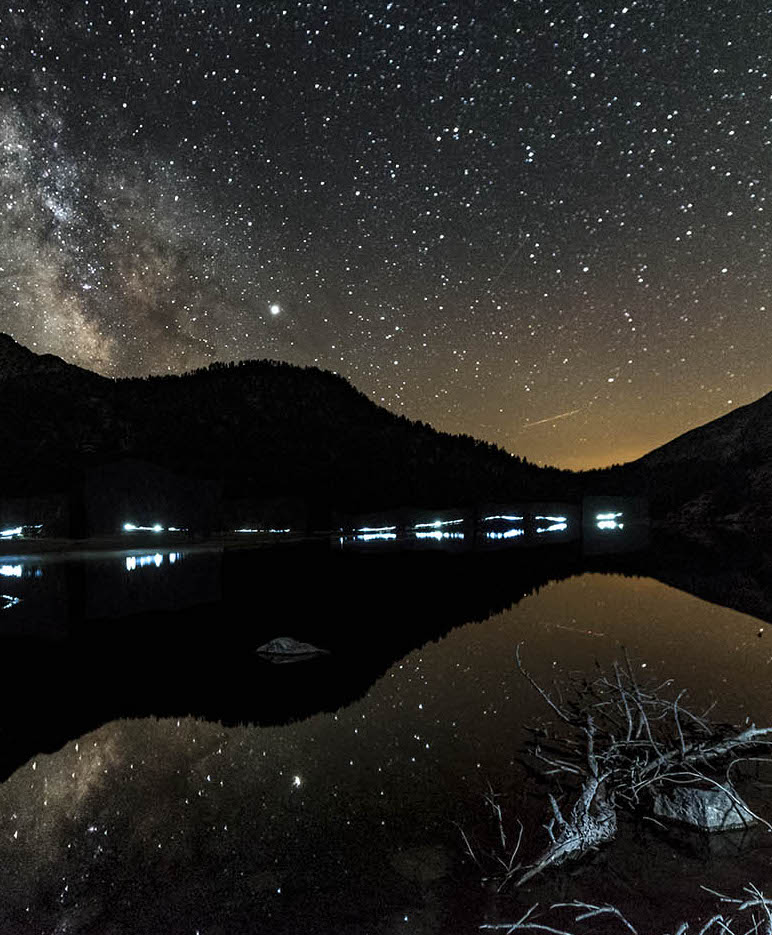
(263,442)
(720,472)
(234,438)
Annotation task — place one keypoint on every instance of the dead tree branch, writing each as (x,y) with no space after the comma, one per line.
(614,740)
(752,915)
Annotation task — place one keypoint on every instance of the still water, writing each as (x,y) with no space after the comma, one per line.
(327,795)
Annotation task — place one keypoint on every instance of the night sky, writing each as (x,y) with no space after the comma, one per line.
(543,224)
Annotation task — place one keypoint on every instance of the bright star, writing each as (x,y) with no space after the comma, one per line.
(275,309)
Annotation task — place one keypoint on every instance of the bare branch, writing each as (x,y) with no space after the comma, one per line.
(560,713)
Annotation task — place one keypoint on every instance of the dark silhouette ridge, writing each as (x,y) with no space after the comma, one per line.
(243,436)
(717,474)
(268,443)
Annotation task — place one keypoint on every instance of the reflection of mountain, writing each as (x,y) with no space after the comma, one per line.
(730,570)
(368,610)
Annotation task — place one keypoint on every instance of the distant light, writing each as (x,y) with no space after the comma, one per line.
(609,524)
(512,519)
(607,515)
(10,571)
(131,527)
(376,529)
(275,309)
(554,519)
(555,527)
(437,523)
(370,536)
(297,781)
(8,533)
(10,601)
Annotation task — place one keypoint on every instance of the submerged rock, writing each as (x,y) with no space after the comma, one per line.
(287,649)
(705,807)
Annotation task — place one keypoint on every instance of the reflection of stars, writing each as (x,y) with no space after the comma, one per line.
(275,309)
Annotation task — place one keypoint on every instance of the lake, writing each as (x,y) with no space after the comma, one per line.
(160,776)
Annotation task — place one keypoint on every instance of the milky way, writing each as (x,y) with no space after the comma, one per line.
(484,214)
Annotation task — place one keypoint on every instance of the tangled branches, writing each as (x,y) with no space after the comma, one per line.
(617,744)
(751,915)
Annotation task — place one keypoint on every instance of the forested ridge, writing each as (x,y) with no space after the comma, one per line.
(257,427)
(263,429)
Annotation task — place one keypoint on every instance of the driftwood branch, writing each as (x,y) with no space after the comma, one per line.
(751,914)
(614,740)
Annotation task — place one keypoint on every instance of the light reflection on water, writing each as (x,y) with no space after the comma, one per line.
(342,822)
(154,560)
(439,535)
(506,534)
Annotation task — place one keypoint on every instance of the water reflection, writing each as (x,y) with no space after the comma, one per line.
(156,560)
(344,822)
(506,534)
(53,595)
(438,535)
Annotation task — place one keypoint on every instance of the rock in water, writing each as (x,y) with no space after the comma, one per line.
(286,649)
(705,807)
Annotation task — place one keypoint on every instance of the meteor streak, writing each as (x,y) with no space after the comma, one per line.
(560,415)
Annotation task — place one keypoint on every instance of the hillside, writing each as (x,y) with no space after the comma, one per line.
(718,473)
(260,440)
(238,434)
(741,435)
